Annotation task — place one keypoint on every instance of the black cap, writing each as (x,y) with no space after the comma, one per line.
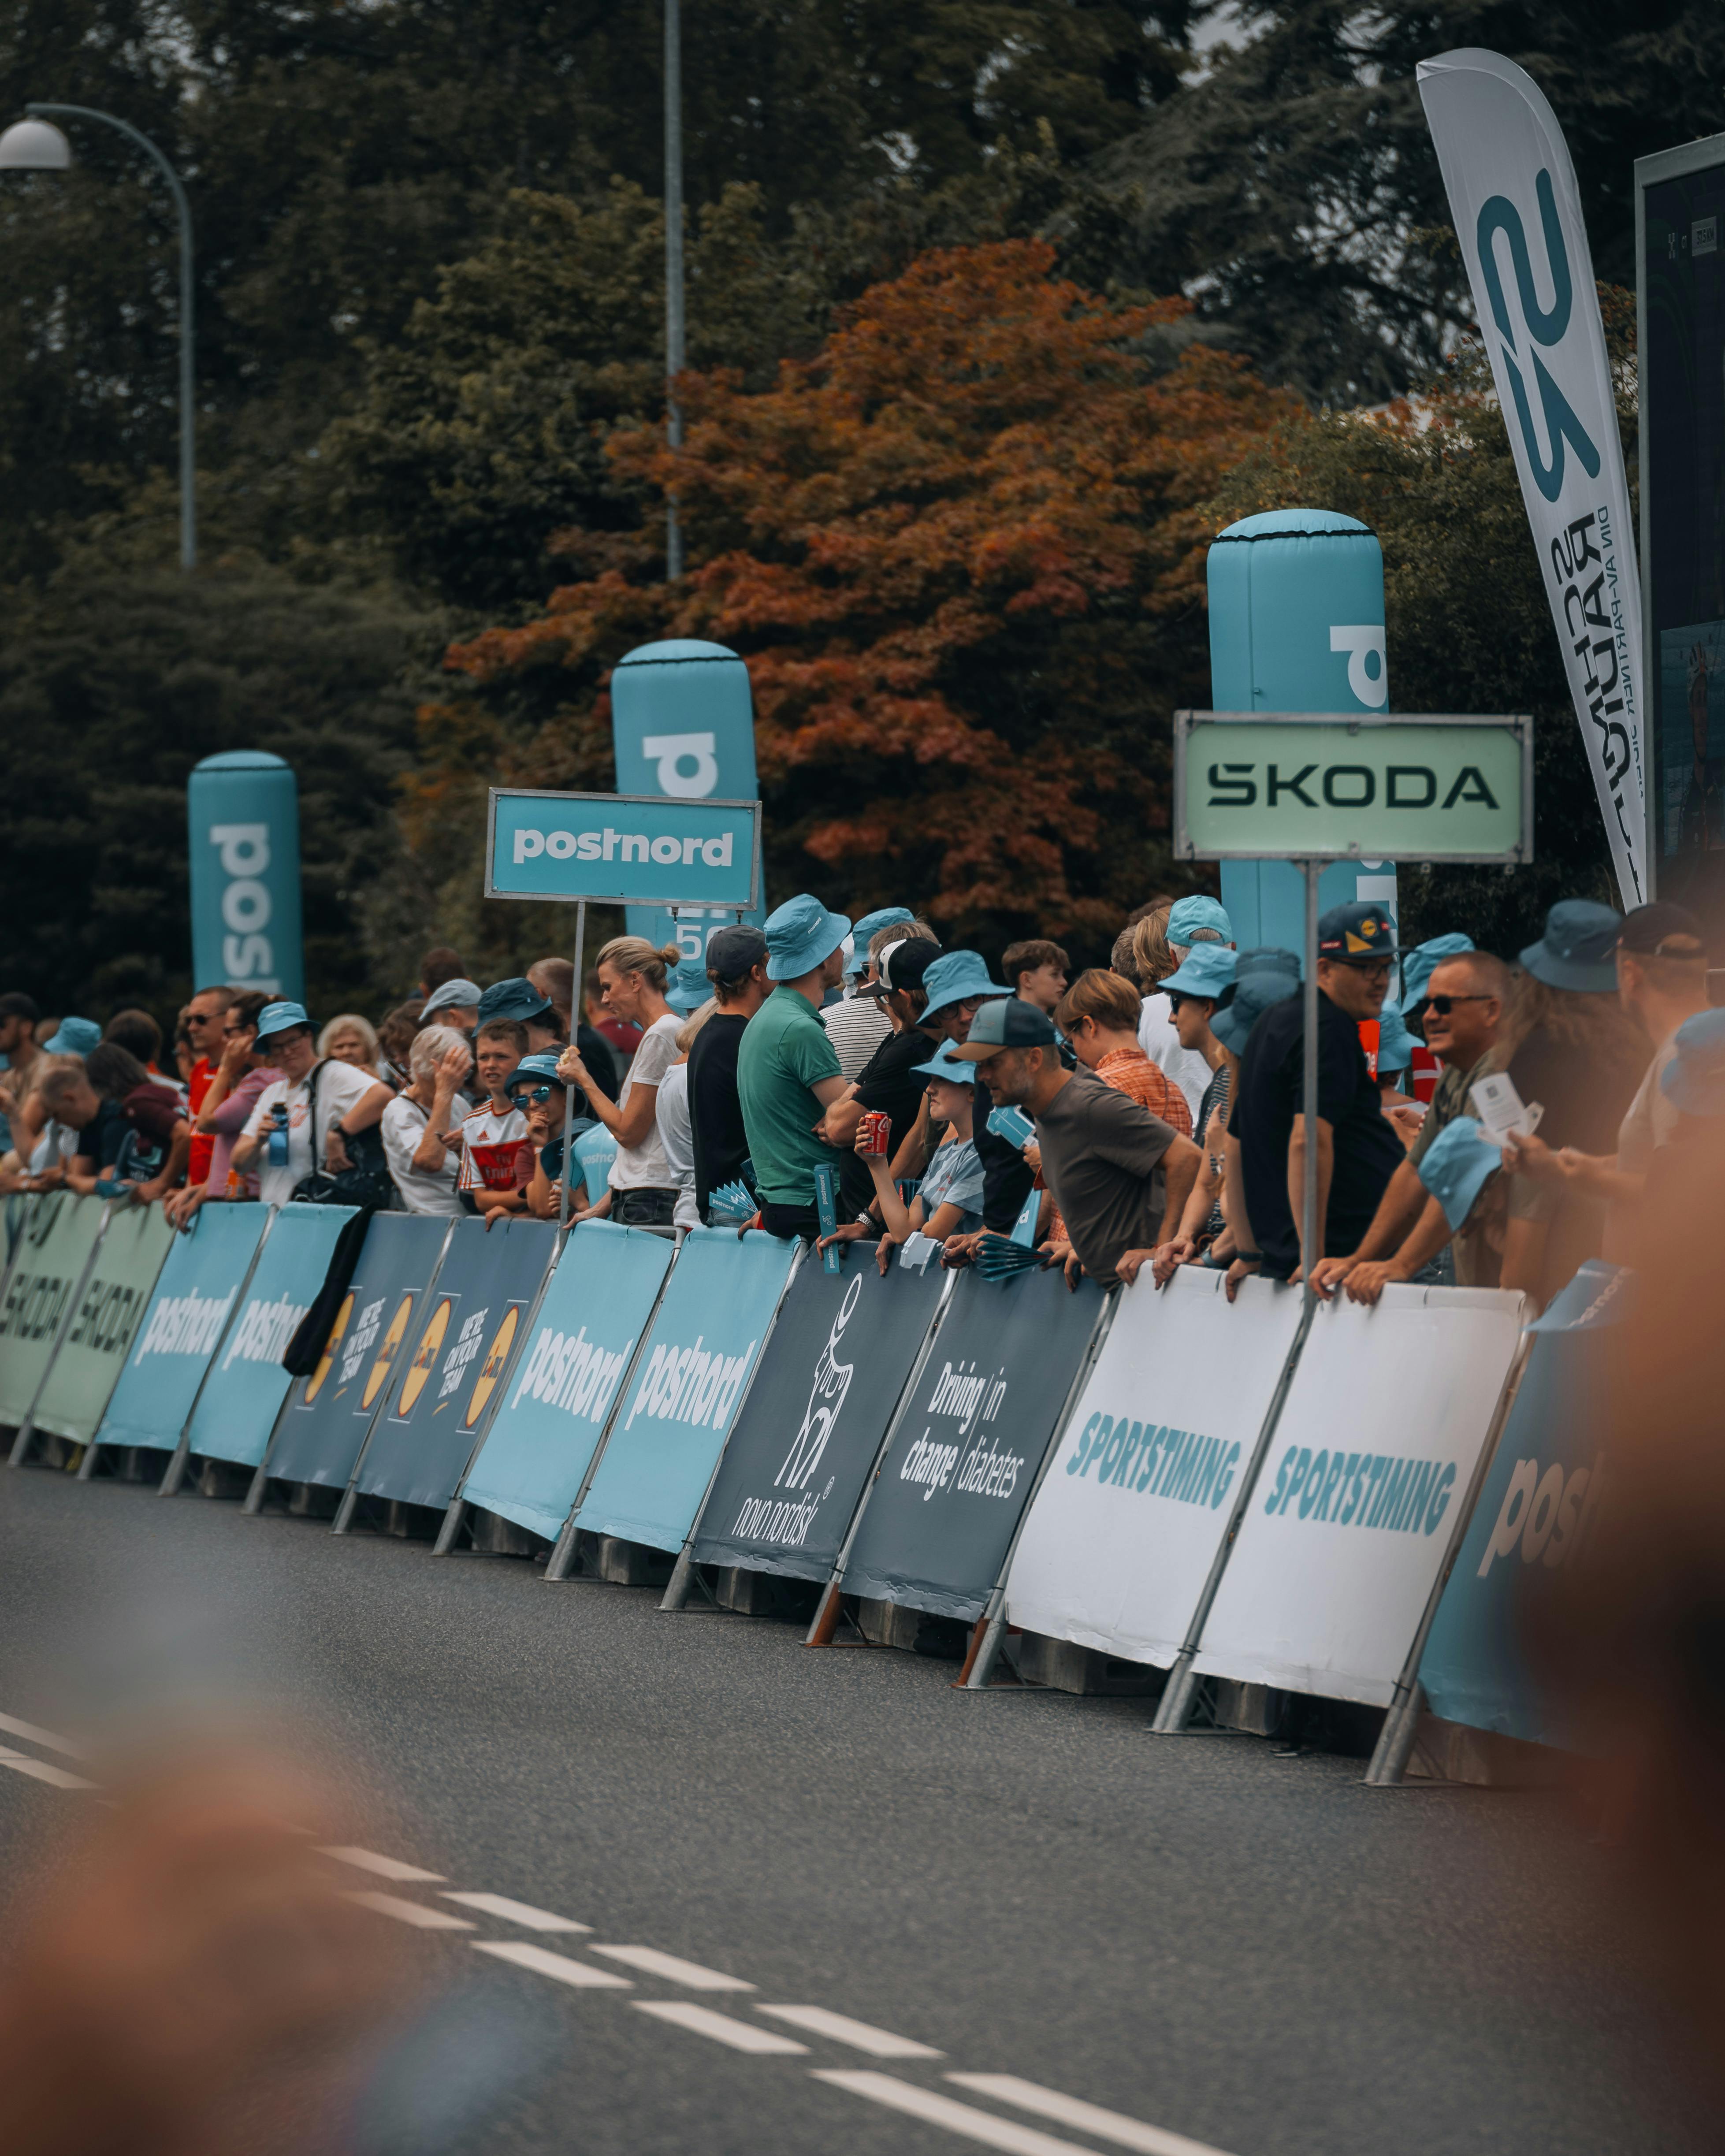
(732,953)
(902,965)
(1660,931)
(1357,934)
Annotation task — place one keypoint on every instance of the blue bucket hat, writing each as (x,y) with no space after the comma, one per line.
(1254,993)
(516,999)
(1422,962)
(944,1065)
(689,987)
(1189,915)
(799,934)
(1395,1043)
(535,1070)
(1578,947)
(955,976)
(280,1017)
(73,1036)
(863,932)
(1694,1079)
(1457,1168)
(1207,970)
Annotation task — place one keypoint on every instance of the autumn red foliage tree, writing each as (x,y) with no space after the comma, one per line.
(960,551)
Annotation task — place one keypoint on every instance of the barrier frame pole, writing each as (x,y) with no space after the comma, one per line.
(575,1008)
(26,1429)
(350,1496)
(1401,1724)
(174,1474)
(1311,1229)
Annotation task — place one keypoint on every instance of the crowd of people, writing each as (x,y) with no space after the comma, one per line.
(1479,1121)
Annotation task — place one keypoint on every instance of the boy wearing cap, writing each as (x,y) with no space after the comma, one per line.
(347,1101)
(788,1070)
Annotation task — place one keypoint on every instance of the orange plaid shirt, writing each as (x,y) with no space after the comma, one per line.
(1129,1071)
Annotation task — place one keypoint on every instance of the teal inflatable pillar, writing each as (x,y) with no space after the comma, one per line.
(683,724)
(1296,625)
(243,818)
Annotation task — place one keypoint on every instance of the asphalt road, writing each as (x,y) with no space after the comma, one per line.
(1259,1954)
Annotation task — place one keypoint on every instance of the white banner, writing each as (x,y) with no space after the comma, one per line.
(1517,214)
(1378,1437)
(1127,1524)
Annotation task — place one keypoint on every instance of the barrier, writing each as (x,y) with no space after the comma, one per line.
(242,1393)
(1340,1545)
(320,1429)
(1536,1511)
(671,1421)
(422,1439)
(203,1277)
(49,1266)
(940,1514)
(1122,1535)
(129,1257)
(824,1397)
(597,1306)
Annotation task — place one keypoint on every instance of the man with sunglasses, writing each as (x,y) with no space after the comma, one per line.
(1357,1148)
(1462,1017)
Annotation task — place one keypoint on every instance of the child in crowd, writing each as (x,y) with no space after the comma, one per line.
(950,1201)
(535,1092)
(497,1157)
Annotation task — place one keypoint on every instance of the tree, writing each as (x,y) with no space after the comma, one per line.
(956,549)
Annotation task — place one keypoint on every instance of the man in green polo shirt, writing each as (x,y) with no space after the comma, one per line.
(788,1069)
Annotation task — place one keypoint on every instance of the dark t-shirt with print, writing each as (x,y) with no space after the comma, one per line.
(889,1083)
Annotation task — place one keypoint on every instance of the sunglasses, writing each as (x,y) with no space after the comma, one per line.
(537,1097)
(1443,1005)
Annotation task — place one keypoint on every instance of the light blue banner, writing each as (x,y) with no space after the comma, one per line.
(247,1385)
(566,1383)
(670,1426)
(242,814)
(195,1296)
(612,849)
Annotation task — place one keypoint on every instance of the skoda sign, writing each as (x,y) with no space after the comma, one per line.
(622,849)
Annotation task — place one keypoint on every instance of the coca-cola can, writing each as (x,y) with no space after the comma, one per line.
(874,1133)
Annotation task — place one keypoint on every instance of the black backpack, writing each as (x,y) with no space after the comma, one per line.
(367,1184)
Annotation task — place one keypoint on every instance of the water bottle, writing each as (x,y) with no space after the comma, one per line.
(279,1136)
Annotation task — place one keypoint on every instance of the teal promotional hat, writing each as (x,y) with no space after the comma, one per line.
(279,1018)
(1254,993)
(954,977)
(1422,962)
(74,1036)
(1457,1167)
(945,1064)
(1395,1043)
(1207,970)
(1578,948)
(863,932)
(537,1069)
(799,934)
(688,988)
(1189,915)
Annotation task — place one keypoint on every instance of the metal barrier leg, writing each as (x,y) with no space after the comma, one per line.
(984,1653)
(682,1578)
(825,1620)
(563,1555)
(86,1466)
(451,1528)
(1173,1710)
(344,1511)
(20,1451)
(1395,1740)
(255,1496)
(174,1474)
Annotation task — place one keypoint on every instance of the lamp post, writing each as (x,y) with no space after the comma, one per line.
(674,345)
(34,145)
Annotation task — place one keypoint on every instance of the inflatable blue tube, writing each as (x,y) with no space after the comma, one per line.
(243,814)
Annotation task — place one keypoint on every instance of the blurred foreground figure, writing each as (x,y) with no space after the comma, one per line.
(192,1979)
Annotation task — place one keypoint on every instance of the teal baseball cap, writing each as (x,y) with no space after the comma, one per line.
(280,1017)
(954,977)
(1189,915)
(1254,993)
(799,934)
(1694,1079)
(945,1064)
(1207,970)
(1422,962)
(1457,1168)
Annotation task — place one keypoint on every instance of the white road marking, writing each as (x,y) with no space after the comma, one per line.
(651,1963)
(39,1770)
(860,2036)
(946,2111)
(413,1912)
(45,1737)
(515,1912)
(740,2036)
(386,1867)
(1087,2118)
(581,1975)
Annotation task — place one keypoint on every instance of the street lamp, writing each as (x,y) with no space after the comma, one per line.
(34,145)
(674,347)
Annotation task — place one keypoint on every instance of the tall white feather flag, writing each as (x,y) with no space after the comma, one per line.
(1517,214)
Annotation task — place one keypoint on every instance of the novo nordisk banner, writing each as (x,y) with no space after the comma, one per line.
(1343,1541)
(617,849)
(133,1247)
(243,814)
(596,1306)
(1123,1532)
(1517,214)
(47,1267)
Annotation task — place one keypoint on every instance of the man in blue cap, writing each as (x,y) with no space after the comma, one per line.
(1357,1148)
(786,1070)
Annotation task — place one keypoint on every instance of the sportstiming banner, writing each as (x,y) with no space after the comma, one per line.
(195,1294)
(1535,1515)
(566,1381)
(671,1422)
(243,1394)
(1341,1543)
(1517,213)
(941,1512)
(133,1248)
(47,1264)
(807,1437)
(1123,1532)
(420,1446)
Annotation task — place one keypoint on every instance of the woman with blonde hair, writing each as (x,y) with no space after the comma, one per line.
(633,976)
(351,1039)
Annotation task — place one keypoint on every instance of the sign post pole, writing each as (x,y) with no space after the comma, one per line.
(1311,1252)
(575,1008)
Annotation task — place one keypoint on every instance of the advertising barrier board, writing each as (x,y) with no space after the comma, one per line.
(47,1267)
(821,1402)
(671,1420)
(243,1394)
(941,1513)
(1121,1535)
(321,1430)
(596,1306)
(1535,1514)
(196,1290)
(1346,1532)
(420,1445)
(129,1257)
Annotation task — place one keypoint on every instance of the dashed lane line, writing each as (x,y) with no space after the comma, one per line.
(31,1734)
(515,1912)
(860,2036)
(673,1968)
(1087,2118)
(722,2028)
(41,1770)
(412,1912)
(562,1968)
(385,1867)
(961,2118)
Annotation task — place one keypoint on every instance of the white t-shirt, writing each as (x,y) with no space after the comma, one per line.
(421,1189)
(1183,1066)
(340,1087)
(677,1137)
(484,1127)
(645,1167)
